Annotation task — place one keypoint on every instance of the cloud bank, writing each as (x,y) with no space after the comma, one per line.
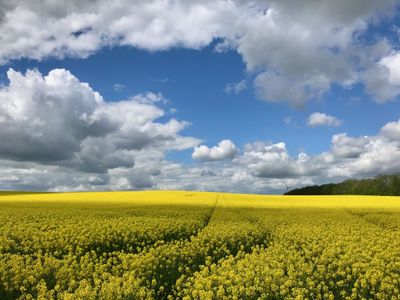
(59,134)
(269,167)
(295,50)
(60,123)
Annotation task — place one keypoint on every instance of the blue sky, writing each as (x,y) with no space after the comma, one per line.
(313,104)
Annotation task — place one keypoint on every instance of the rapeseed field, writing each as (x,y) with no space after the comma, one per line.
(195,245)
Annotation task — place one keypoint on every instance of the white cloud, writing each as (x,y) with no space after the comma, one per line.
(274,87)
(322,119)
(163,80)
(382,80)
(58,120)
(392,131)
(382,157)
(118,87)
(78,28)
(266,167)
(296,50)
(236,87)
(349,147)
(287,120)
(300,49)
(260,168)
(224,150)
(273,161)
(348,157)
(392,62)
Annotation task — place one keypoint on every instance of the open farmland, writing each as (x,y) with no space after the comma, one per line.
(191,245)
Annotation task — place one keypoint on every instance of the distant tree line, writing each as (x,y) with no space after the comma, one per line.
(385,185)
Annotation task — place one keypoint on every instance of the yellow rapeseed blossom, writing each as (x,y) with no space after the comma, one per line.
(193,245)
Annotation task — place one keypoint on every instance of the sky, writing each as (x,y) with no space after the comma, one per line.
(234,96)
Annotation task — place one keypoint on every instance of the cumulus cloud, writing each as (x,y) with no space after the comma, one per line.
(382,157)
(58,120)
(392,130)
(348,157)
(79,28)
(273,161)
(260,168)
(382,80)
(296,50)
(300,49)
(392,63)
(344,146)
(322,119)
(225,149)
(269,167)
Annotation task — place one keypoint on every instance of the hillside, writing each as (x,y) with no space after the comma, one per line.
(385,185)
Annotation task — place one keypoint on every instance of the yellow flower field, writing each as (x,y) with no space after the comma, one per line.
(195,245)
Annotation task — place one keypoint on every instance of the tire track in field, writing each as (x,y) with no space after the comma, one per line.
(164,261)
(223,246)
(208,217)
(159,268)
(171,263)
(364,216)
(152,261)
(187,237)
(166,240)
(162,268)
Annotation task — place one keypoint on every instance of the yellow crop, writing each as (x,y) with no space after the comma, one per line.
(192,245)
